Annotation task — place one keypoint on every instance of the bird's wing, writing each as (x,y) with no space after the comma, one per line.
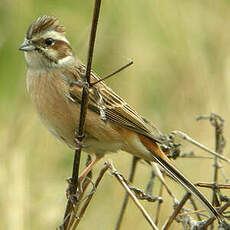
(108,104)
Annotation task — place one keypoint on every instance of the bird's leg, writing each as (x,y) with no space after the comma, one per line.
(83,175)
(100,104)
(80,83)
(88,169)
(78,141)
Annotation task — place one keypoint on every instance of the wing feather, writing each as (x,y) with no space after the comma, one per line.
(115,108)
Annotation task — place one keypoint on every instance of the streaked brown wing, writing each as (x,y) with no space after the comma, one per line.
(103,100)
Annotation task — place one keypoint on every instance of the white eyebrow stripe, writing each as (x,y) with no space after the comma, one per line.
(55,35)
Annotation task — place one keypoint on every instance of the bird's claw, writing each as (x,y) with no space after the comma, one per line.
(79,143)
(70,194)
(80,83)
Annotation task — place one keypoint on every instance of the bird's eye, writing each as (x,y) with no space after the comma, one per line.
(49,41)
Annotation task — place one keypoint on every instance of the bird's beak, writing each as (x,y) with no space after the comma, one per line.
(27,46)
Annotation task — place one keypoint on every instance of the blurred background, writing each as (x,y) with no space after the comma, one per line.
(181,54)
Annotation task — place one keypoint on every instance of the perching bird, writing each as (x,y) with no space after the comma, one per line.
(54,82)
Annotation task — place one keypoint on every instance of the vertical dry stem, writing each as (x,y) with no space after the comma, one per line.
(84,106)
(159,203)
(132,196)
(126,197)
(177,210)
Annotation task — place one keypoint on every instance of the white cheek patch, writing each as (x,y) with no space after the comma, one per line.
(66,60)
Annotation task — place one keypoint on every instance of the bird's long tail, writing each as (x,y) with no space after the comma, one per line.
(165,163)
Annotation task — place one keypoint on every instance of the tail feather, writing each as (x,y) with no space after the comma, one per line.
(188,185)
(164,162)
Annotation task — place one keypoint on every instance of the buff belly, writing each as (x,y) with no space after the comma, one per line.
(61,116)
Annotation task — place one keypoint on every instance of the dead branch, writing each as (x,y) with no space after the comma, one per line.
(122,181)
(86,203)
(195,208)
(189,139)
(159,204)
(212,219)
(218,123)
(112,74)
(140,195)
(84,105)
(176,211)
(126,197)
(212,185)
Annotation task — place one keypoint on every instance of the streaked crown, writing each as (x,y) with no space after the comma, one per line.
(43,25)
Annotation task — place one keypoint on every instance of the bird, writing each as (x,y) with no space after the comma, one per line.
(55,81)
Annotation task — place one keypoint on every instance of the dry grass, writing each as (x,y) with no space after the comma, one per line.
(181,69)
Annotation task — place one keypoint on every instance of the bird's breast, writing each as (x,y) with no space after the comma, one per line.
(49,94)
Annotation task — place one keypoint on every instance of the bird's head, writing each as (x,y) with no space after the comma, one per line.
(45,44)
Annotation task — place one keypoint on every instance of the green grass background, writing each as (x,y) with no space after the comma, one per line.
(182,69)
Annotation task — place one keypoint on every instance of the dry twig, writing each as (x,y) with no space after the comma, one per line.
(195,208)
(213,185)
(113,73)
(84,106)
(189,139)
(159,204)
(218,124)
(86,203)
(212,219)
(177,210)
(122,181)
(126,197)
